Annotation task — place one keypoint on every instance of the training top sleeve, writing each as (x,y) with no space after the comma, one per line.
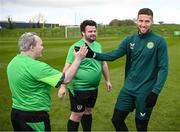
(162,66)
(115,54)
(45,73)
(70,55)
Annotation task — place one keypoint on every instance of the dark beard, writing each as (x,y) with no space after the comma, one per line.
(90,40)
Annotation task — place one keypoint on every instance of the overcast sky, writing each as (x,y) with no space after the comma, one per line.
(75,11)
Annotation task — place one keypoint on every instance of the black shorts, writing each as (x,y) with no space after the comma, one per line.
(82,99)
(30,120)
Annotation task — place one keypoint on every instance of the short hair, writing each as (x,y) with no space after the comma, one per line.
(145,11)
(27,40)
(87,23)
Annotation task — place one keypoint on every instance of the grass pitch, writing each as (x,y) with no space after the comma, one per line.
(166,114)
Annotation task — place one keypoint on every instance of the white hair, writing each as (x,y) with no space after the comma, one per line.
(27,40)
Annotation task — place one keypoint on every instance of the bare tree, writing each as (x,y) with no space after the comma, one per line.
(10,23)
(38,20)
(33,21)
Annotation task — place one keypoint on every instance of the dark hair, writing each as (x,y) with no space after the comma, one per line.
(87,23)
(145,11)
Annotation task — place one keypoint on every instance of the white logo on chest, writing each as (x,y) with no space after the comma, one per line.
(132,45)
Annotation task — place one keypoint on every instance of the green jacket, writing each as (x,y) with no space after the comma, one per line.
(146,62)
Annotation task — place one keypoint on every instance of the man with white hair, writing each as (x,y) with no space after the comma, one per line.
(30,81)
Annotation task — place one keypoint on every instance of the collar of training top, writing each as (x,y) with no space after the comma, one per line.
(145,34)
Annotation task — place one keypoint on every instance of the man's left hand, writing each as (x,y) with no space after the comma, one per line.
(62,91)
(151,100)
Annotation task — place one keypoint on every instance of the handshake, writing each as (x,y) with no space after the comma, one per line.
(90,53)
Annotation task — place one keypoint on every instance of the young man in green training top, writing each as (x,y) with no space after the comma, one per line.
(145,73)
(83,89)
(30,81)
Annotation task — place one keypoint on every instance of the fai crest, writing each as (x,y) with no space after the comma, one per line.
(150,45)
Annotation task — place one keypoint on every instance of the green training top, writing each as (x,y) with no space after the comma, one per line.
(146,62)
(30,81)
(89,73)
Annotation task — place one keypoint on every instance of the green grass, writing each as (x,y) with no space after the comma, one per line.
(166,114)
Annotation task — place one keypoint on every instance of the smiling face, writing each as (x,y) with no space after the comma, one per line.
(145,21)
(90,33)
